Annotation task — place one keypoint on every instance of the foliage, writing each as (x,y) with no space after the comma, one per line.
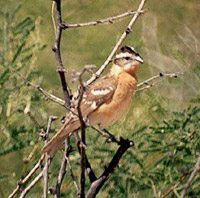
(18,53)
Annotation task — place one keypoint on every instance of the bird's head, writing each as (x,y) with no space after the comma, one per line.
(127,60)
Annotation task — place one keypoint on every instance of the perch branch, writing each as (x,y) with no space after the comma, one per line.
(109,20)
(191,178)
(97,185)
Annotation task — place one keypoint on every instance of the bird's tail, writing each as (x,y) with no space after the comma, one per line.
(56,142)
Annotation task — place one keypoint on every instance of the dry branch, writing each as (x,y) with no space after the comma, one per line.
(119,42)
(31,185)
(56,50)
(109,20)
(47,159)
(30,174)
(148,83)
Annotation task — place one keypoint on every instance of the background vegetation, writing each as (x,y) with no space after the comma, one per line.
(163,121)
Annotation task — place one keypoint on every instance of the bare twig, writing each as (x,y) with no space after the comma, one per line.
(65,89)
(41,90)
(119,42)
(47,159)
(56,50)
(31,185)
(72,175)
(23,181)
(97,185)
(147,83)
(116,47)
(62,170)
(191,178)
(109,20)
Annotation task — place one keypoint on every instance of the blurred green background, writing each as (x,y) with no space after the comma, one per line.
(167,37)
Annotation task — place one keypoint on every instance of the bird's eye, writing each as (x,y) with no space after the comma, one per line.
(127,58)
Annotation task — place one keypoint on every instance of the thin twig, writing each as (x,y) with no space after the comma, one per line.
(160,75)
(191,178)
(119,42)
(124,35)
(30,174)
(72,175)
(147,83)
(62,170)
(47,159)
(109,20)
(41,90)
(31,185)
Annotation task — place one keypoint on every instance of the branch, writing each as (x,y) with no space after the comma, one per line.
(147,82)
(62,170)
(89,169)
(56,50)
(82,127)
(119,42)
(31,185)
(47,159)
(22,182)
(72,175)
(41,90)
(192,177)
(116,47)
(109,20)
(97,185)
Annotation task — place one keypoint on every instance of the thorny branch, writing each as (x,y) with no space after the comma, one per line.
(109,20)
(191,178)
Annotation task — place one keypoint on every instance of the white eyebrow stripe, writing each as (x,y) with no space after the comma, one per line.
(100,92)
(122,55)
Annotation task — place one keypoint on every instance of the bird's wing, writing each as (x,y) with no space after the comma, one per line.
(98,93)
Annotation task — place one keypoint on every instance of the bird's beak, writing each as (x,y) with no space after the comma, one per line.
(139,59)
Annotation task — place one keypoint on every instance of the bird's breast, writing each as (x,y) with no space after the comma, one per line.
(113,109)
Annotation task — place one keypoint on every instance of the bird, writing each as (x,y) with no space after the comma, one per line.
(105,101)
